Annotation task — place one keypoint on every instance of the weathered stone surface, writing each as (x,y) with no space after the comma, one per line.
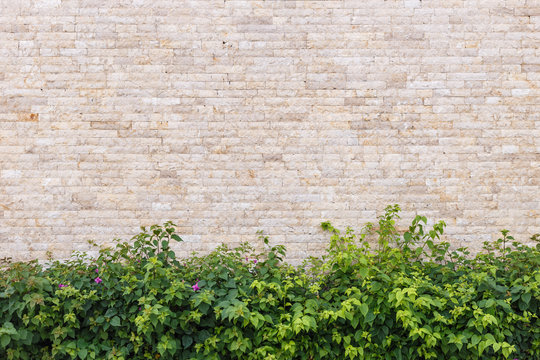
(232,116)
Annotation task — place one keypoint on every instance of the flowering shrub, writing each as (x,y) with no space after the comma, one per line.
(410,297)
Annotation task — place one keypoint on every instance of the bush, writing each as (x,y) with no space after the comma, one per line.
(409,298)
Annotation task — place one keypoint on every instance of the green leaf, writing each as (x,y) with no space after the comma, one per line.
(364,309)
(255,321)
(399,295)
(82,353)
(309,322)
(8,328)
(187,341)
(481,346)
(111,312)
(172,347)
(311,306)
(162,348)
(526,298)
(4,340)
(475,339)
(355,321)
(115,321)
(363,272)
(407,236)
(369,317)
(489,339)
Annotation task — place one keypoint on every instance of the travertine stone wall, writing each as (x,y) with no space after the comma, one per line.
(232,116)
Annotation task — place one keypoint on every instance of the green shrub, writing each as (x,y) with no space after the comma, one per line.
(409,298)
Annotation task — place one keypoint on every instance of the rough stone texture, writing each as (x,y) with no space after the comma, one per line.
(232,116)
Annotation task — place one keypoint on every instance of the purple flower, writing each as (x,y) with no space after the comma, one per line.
(196,286)
(61,285)
(255,261)
(98,280)
(139,308)
(97,270)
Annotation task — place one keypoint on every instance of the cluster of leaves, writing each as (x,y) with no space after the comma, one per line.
(410,297)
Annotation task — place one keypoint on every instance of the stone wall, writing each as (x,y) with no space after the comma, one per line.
(232,116)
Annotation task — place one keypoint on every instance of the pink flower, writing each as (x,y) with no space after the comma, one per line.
(255,261)
(97,270)
(196,286)
(98,280)
(61,285)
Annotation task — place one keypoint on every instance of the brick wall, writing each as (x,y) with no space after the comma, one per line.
(232,116)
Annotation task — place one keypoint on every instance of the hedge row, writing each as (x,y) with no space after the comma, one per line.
(409,297)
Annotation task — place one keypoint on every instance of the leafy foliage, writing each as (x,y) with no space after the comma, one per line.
(409,298)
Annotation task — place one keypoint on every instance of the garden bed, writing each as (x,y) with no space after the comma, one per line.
(410,297)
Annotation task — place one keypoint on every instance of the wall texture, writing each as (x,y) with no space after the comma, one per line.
(232,116)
